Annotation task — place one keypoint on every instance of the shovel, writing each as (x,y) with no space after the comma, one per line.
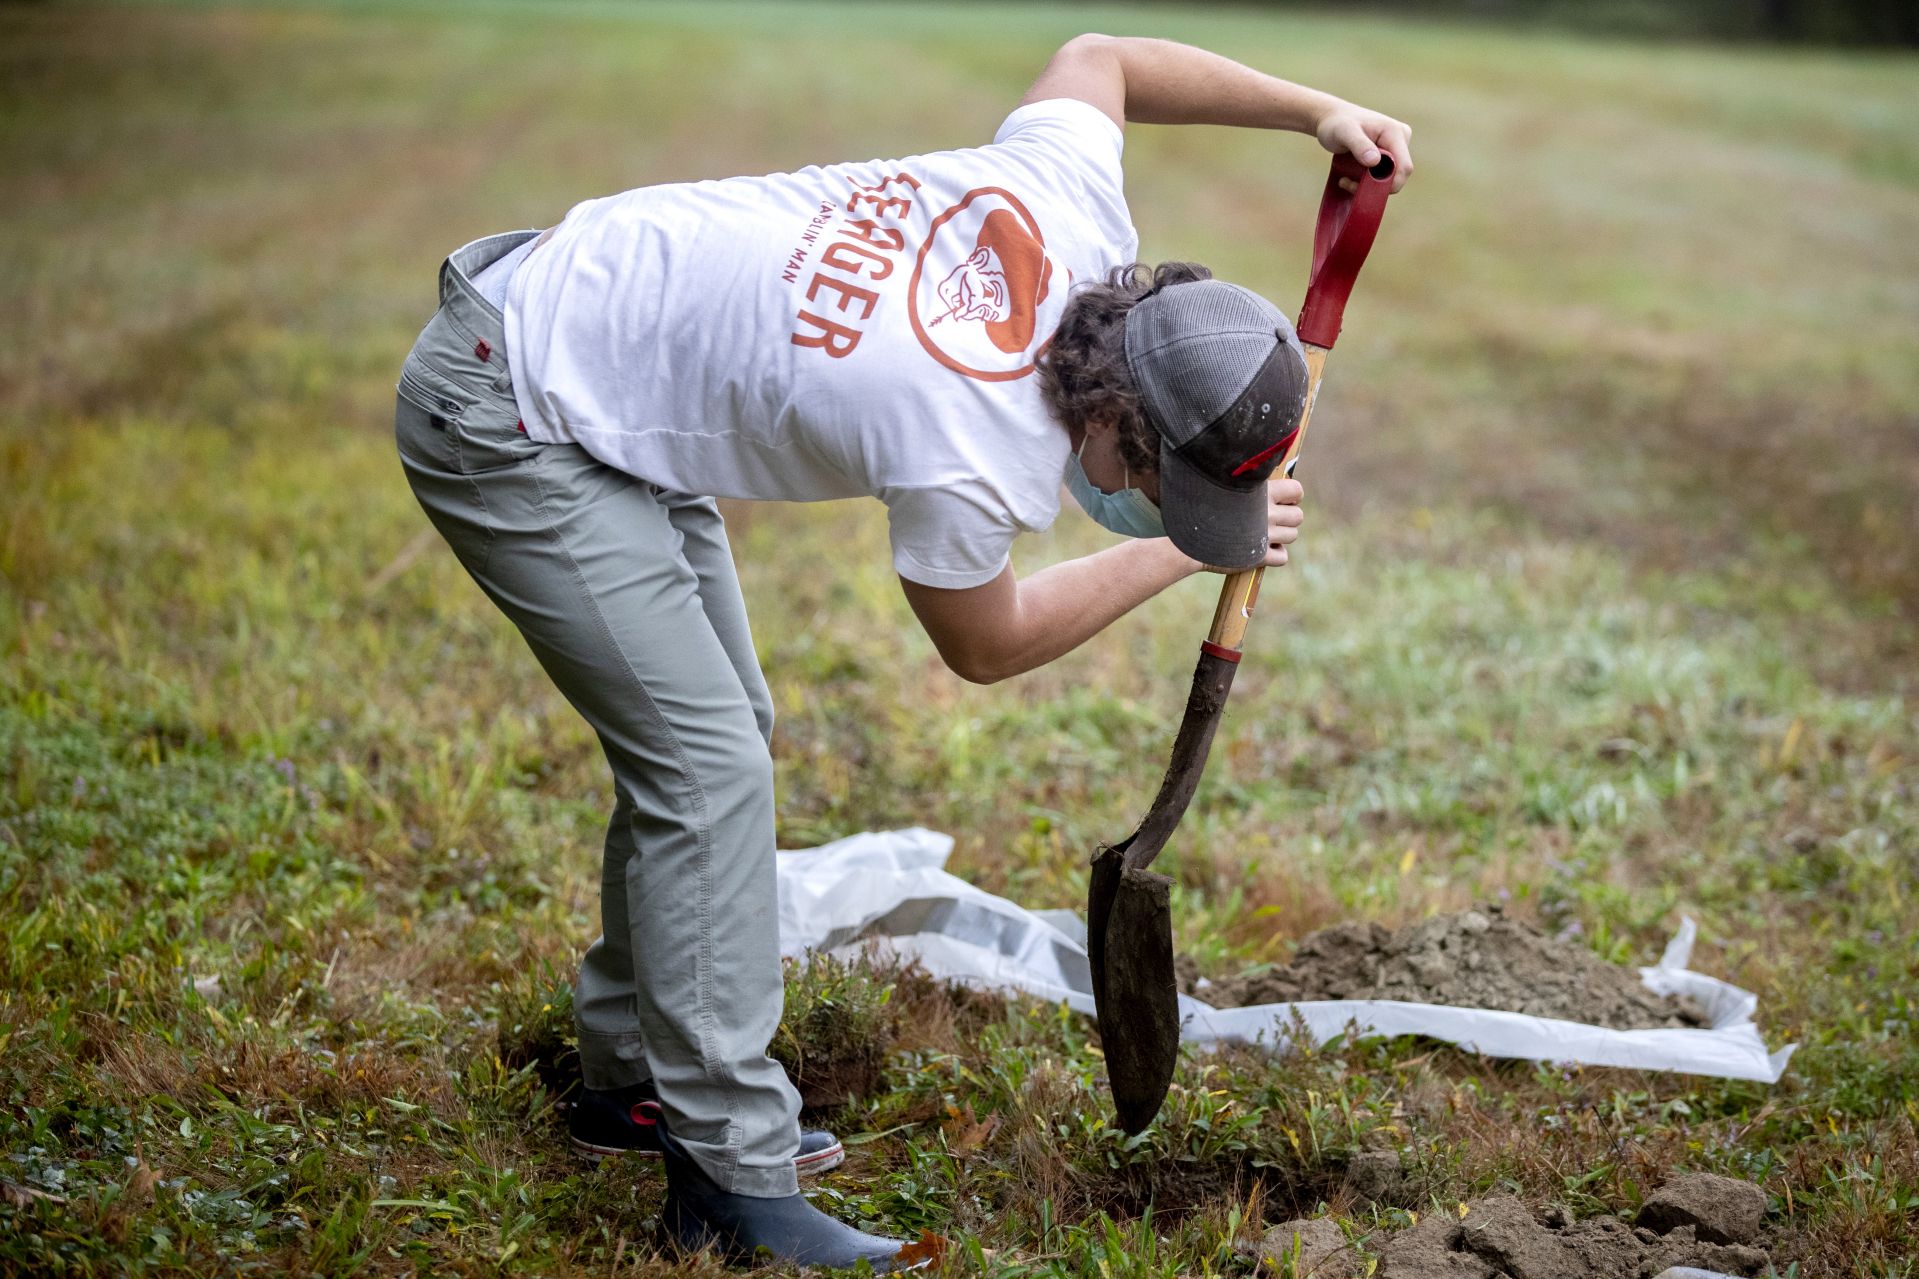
(1129,911)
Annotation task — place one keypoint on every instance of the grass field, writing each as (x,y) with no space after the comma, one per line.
(1606,608)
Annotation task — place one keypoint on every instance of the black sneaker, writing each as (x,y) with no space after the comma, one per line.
(627,1119)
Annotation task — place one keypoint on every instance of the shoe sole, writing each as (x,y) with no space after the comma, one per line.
(805,1165)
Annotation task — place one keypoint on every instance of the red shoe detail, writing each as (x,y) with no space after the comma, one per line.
(645,1113)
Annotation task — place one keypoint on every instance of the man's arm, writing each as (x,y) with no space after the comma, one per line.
(1159,82)
(1008,627)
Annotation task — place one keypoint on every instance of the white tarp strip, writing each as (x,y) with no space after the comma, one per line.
(890,889)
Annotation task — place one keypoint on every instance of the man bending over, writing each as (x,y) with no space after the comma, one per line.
(955,334)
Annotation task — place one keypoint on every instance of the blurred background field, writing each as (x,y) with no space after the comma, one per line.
(1605,610)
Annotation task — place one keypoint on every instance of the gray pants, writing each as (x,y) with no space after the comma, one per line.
(627,596)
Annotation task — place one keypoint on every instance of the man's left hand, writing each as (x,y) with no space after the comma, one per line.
(1363,134)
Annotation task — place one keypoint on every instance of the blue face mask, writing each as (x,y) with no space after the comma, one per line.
(1129,512)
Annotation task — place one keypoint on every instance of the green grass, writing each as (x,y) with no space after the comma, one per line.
(1604,607)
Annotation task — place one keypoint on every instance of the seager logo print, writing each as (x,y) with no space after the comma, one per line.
(983,287)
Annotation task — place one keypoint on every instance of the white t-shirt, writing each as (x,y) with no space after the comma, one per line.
(840,331)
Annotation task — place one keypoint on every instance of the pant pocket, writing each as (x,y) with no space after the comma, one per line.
(480,428)
(487,438)
(421,434)
(427,391)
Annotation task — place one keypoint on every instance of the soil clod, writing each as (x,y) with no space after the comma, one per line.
(1718,1209)
(1469,959)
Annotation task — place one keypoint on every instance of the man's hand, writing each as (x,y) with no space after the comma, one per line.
(1283,518)
(1363,134)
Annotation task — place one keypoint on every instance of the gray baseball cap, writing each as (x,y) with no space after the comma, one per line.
(1223,379)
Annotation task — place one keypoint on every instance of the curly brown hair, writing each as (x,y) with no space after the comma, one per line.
(1083,375)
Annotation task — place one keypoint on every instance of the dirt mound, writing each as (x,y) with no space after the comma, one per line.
(1499,1236)
(1472,959)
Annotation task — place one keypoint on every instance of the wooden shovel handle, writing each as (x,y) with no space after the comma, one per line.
(1342,237)
(1241,591)
(1348,221)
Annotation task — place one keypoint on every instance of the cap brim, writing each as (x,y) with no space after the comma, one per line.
(1216,525)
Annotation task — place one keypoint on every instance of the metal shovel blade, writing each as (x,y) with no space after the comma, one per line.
(1139,1011)
(1129,920)
(1107,866)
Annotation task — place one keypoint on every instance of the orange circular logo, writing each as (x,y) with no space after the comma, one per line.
(983,288)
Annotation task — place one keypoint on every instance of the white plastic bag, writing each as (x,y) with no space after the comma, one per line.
(890,889)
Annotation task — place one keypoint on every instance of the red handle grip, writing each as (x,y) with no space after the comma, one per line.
(1348,221)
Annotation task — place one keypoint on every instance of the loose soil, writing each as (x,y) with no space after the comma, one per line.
(1698,1219)
(1471,959)
(1499,1236)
